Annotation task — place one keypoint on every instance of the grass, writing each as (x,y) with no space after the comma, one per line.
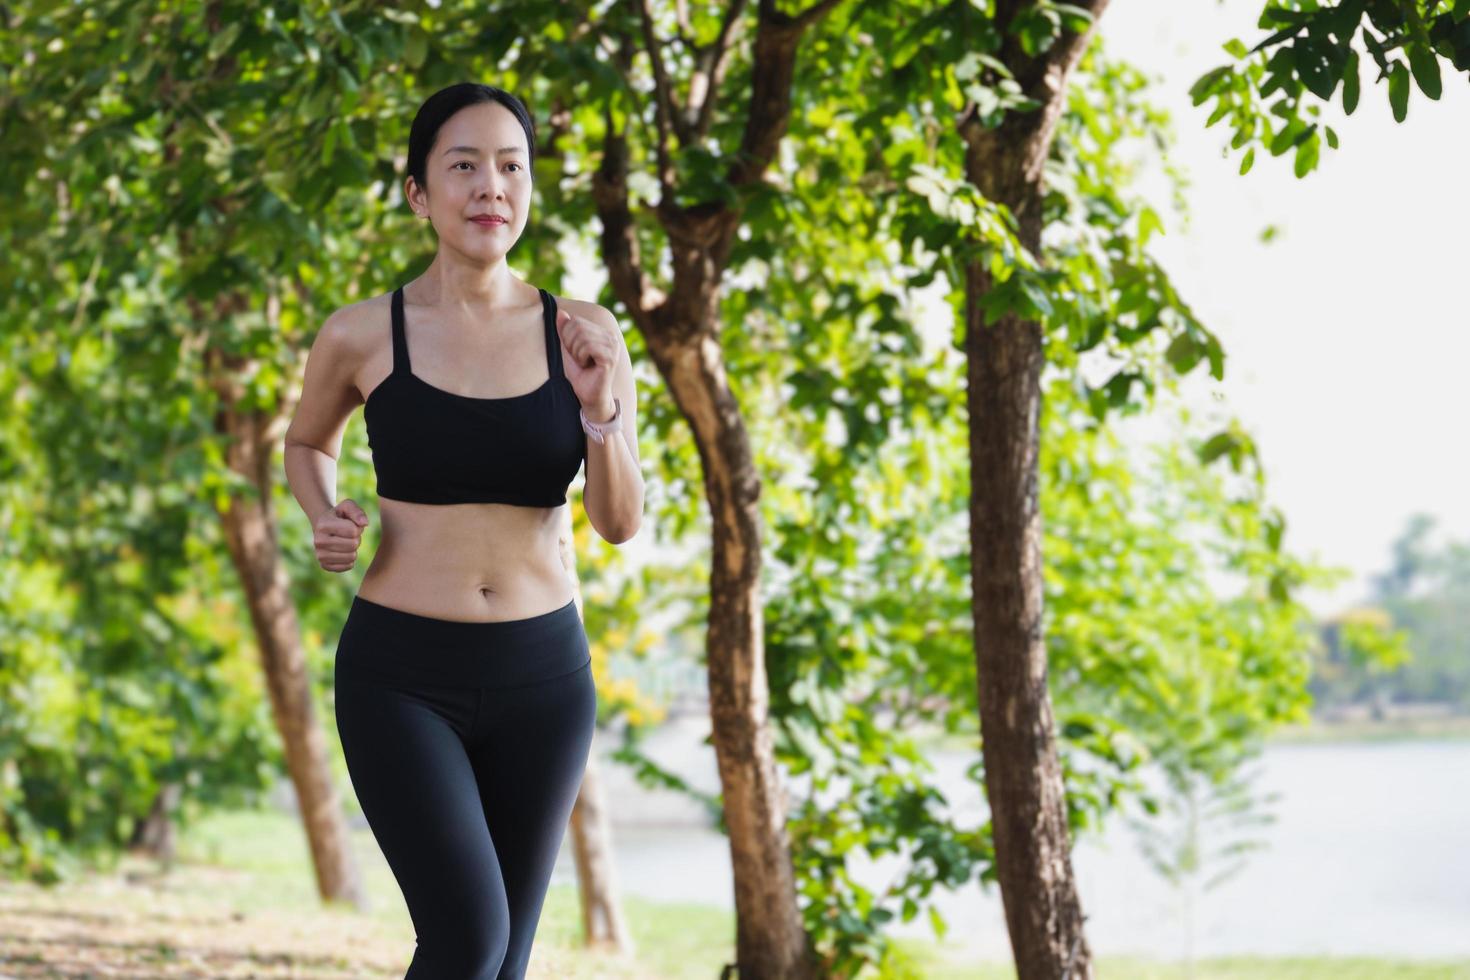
(1223,968)
(241,902)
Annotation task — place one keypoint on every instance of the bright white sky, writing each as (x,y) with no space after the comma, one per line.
(1345,337)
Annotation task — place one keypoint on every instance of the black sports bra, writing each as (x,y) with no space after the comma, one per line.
(431,446)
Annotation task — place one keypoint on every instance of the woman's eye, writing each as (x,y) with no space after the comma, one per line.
(464,163)
(512,164)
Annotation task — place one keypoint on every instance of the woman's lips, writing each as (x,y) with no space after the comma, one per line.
(489,222)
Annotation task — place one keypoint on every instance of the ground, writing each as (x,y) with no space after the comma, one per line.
(241,903)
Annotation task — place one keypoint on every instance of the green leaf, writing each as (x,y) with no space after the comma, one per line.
(1035,27)
(1313,66)
(1398,91)
(1075,19)
(416,48)
(224,40)
(1119,386)
(1278,588)
(1350,83)
(1285,137)
(1183,353)
(1077,728)
(1250,158)
(1459,41)
(1306,155)
(1425,64)
(1205,84)
(1275,527)
(329,145)
(999,66)
(1216,353)
(1216,446)
(1148,223)
(937,921)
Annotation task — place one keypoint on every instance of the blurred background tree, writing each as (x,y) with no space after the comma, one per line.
(199,185)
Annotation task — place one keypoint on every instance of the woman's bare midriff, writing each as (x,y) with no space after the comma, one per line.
(468,562)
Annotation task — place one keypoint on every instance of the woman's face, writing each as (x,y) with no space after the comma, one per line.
(478,165)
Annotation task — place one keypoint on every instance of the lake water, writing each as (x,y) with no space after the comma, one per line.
(1369,853)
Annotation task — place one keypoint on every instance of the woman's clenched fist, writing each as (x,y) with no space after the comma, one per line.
(337,534)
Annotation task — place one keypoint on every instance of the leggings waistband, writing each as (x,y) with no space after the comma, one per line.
(393,643)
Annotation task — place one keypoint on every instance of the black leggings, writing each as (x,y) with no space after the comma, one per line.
(466,744)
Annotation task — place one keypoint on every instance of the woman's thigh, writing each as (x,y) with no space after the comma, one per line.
(404,744)
(466,744)
(530,753)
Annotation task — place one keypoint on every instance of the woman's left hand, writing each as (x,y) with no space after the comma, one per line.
(589,355)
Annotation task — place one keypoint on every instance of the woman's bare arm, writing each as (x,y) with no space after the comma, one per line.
(329,396)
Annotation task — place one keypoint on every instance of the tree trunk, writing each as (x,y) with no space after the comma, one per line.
(603,923)
(250,531)
(249,522)
(155,835)
(681,331)
(1023,779)
(771,939)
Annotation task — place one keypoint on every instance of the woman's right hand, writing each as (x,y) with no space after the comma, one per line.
(337,534)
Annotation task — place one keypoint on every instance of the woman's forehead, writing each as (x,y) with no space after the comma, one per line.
(486,124)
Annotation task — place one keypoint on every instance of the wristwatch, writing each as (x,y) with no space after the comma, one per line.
(599,430)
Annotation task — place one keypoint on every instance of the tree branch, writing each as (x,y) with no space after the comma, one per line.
(776,41)
(710,64)
(619,234)
(663,101)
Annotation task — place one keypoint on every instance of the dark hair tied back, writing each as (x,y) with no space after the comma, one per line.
(446,102)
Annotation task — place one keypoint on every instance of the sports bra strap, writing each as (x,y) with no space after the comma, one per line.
(400,341)
(553,341)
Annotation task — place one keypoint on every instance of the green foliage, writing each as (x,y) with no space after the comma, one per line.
(1410,641)
(190,202)
(184,211)
(107,697)
(1368,643)
(1154,660)
(1109,301)
(1310,52)
(1171,636)
(864,487)
(123,666)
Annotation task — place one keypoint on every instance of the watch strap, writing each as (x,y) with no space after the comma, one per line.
(599,431)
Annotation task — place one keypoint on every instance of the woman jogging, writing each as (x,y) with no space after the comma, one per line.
(464,694)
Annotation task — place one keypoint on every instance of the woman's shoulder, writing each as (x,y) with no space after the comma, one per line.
(354,334)
(587,309)
(362,321)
